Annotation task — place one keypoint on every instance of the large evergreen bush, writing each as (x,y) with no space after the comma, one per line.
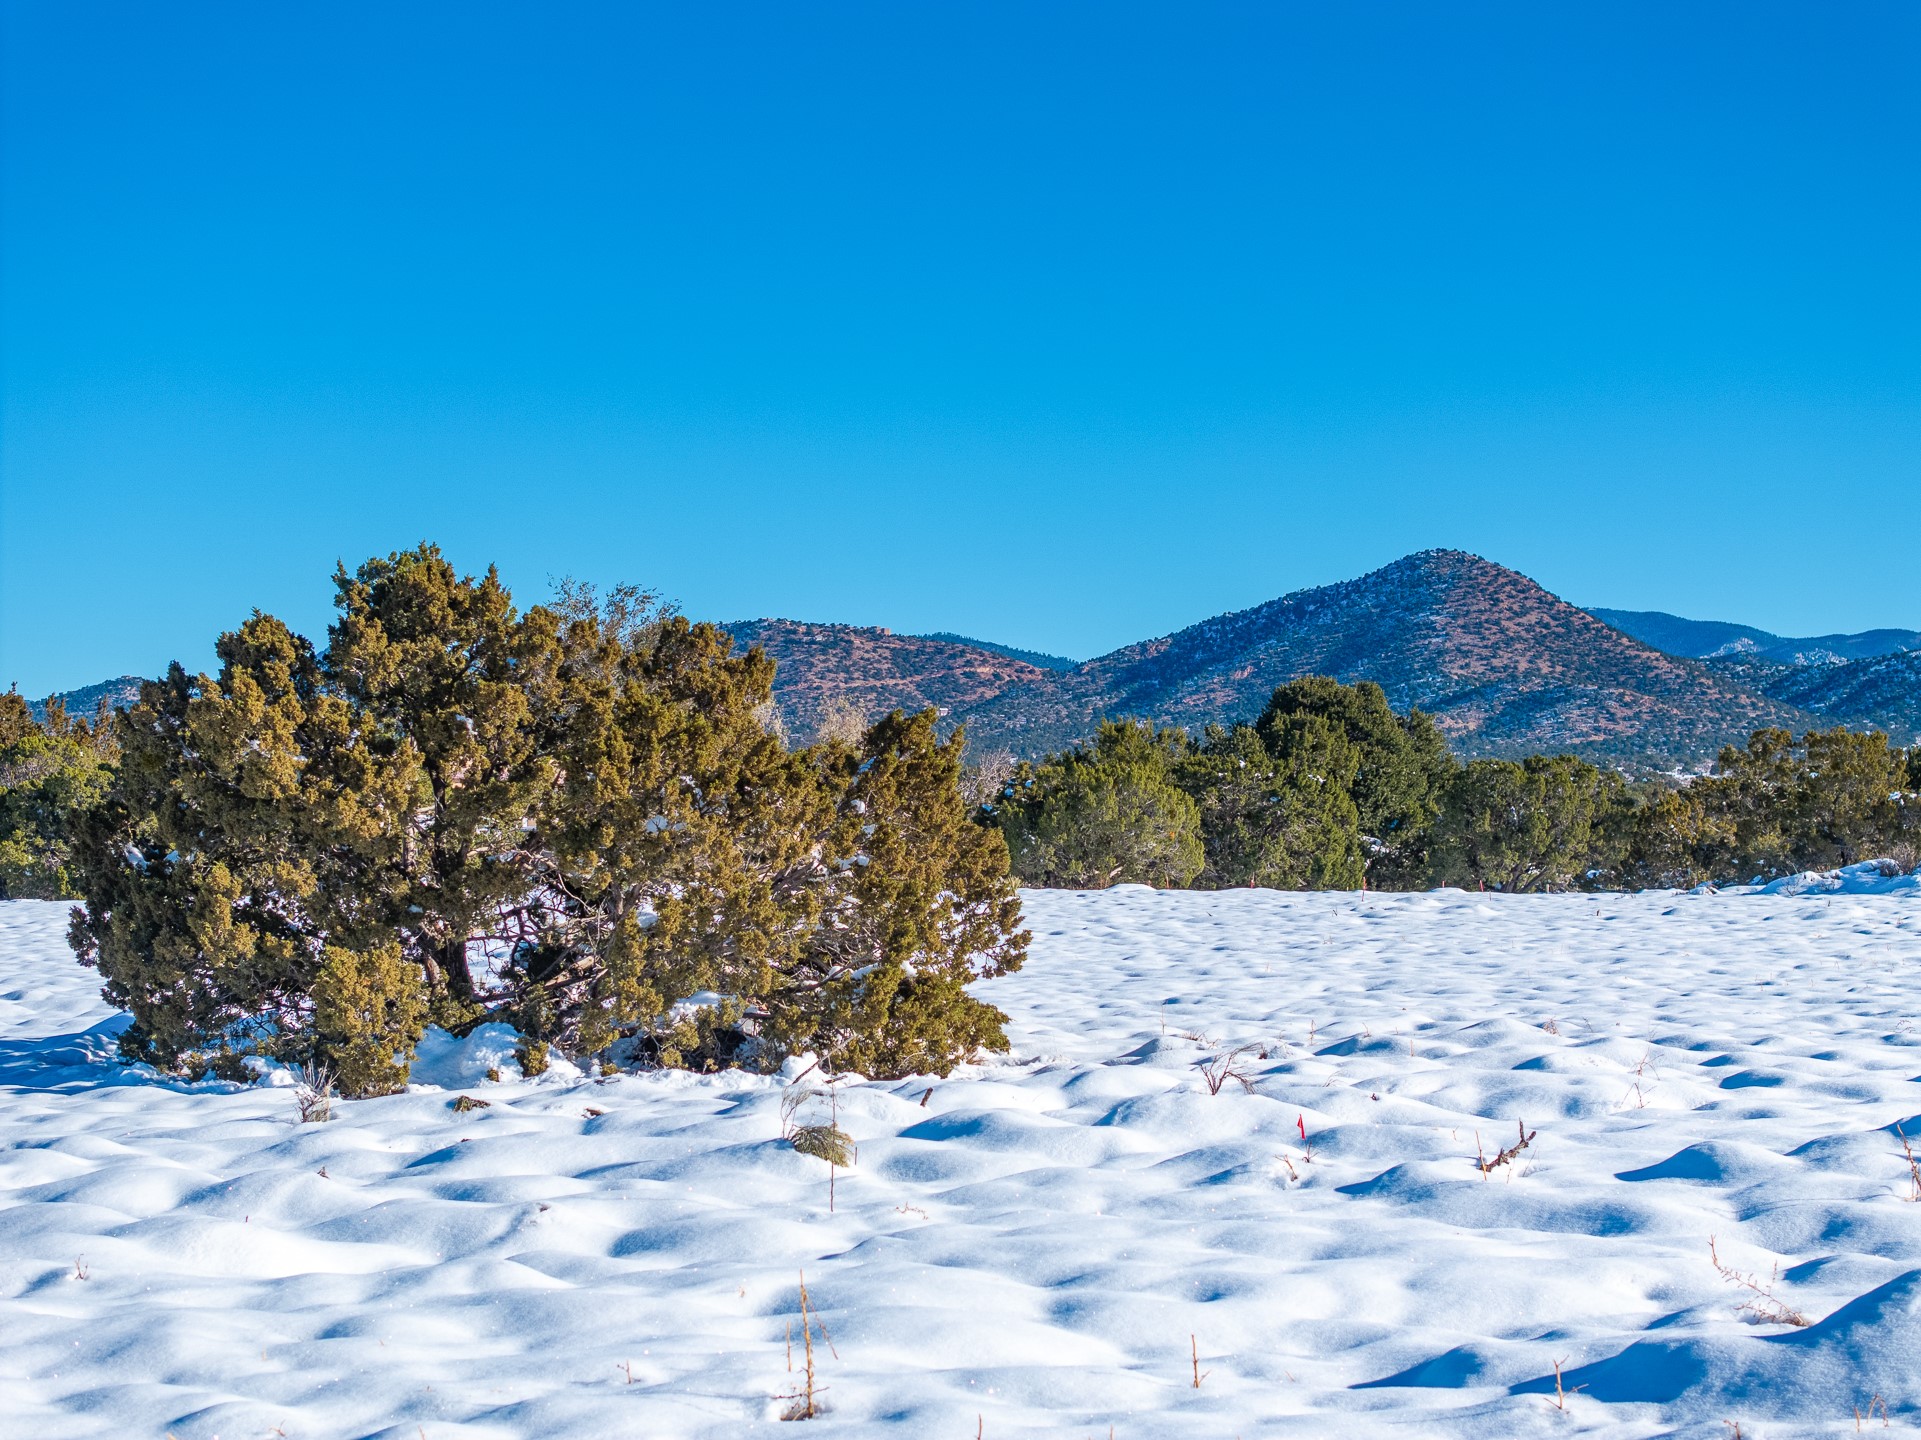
(1276,807)
(1778,805)
(1543,823)
(572,817)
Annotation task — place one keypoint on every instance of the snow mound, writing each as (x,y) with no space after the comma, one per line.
(1870,877)
(1866,1348)
(1345,1236)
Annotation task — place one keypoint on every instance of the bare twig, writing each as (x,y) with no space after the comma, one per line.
(1914,1167)
(1766,1307)
(1503,1157)
(1194,1348)
(1560,1393)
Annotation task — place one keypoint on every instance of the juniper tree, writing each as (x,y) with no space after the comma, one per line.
(1543,823)
(51,774)
(1104,813)
(1777,805)
(1280,817)
(915,903)
(572,817)
(1402,768)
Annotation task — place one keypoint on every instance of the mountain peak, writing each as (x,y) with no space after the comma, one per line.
(1504,666)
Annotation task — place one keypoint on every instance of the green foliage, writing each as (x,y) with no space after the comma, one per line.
(1778,805)
(308,853)
(368,1015)
(1671,840)
(1402,768)
(824,1142)
(1105,813)
(1543,823)
(51,775)
(1277,811)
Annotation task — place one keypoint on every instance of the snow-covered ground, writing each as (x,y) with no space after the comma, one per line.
(1041,1246)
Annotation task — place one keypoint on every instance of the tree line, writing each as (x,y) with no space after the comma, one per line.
(1331,789)
(579,818)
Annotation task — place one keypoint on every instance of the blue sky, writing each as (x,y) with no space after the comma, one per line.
(1060,325)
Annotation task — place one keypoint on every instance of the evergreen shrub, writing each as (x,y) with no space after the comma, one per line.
(572,817)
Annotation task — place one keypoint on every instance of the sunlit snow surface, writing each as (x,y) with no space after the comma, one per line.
(1029,1251)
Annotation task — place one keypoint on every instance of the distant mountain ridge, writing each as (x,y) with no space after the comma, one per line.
(1505,667)
(875,670)
(82,704)
(1032,657)
(1883,690)
(1708,639)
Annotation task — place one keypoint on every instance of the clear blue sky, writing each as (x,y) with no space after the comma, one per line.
(1061,325)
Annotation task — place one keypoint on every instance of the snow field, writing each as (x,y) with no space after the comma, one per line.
(1032,1249)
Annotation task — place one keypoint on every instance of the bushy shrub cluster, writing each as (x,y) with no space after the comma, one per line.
(1330,789)
(572,817)
(1327,788)
(1779,805)
(51,773)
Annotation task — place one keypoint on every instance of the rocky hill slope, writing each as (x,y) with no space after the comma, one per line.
(82,704)
(875,670)
(1883,690)
(1504,666)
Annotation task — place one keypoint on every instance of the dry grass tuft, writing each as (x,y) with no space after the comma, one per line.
(313,1093)
(1223,1068)
(805,1399)
(1886,1422)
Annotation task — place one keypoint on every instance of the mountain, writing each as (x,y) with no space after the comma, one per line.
(1703,639)
(875,670)
(1032,657)
(82,703)
(1882,690)
(1505,668)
